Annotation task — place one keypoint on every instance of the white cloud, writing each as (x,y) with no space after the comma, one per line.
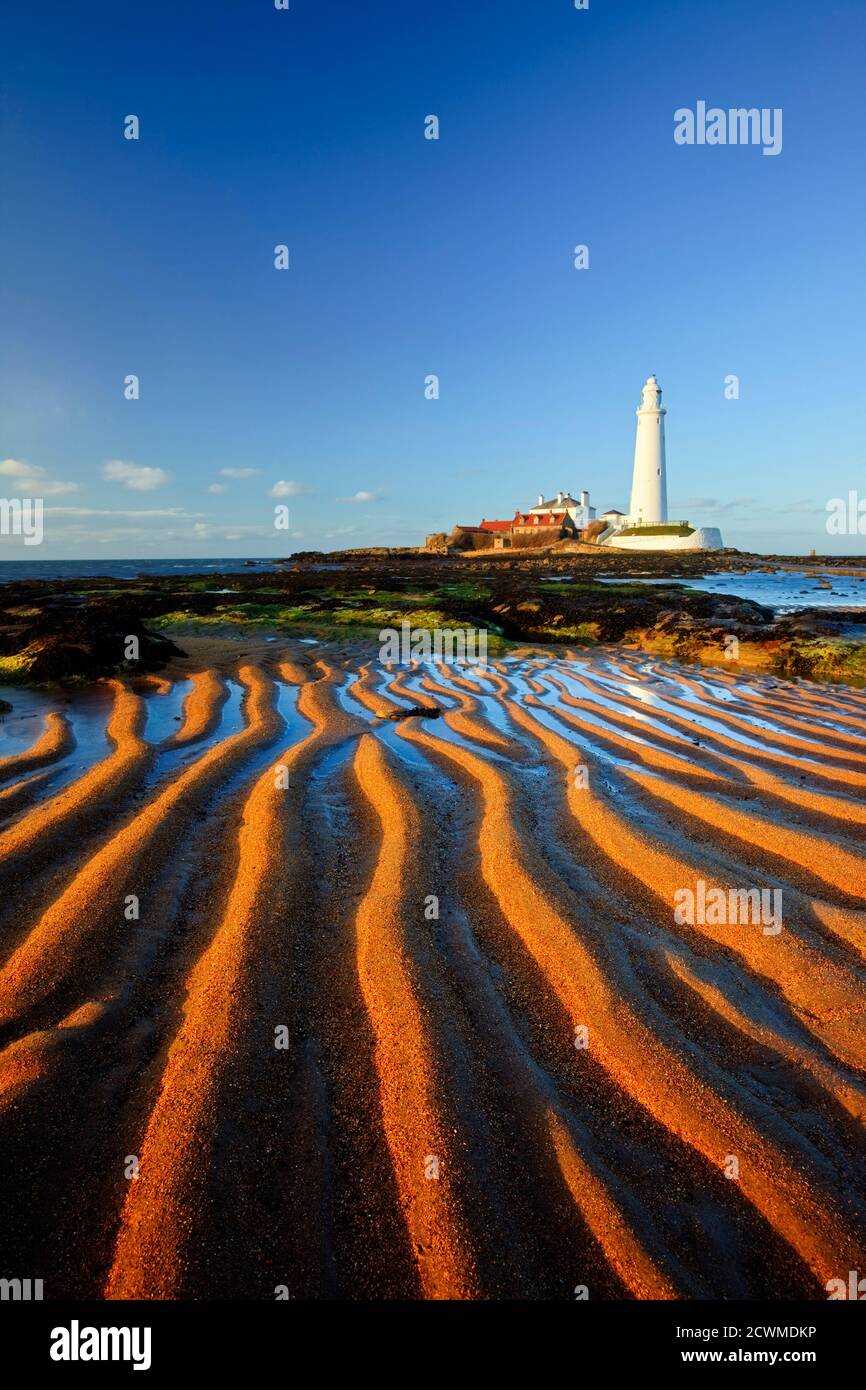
(286,488)
(747,507)
(217,487)
(30,479)
(362,496)
(239,472)
(158,513)
(137,477)
(712,504)
(88,526)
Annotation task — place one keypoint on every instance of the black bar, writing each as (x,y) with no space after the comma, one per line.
(260,1339)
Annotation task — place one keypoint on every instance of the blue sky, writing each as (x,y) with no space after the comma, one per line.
(411,257)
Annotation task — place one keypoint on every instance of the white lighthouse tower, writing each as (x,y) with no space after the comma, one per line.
(649,492)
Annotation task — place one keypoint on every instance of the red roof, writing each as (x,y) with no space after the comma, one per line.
(521,519)
(548,519)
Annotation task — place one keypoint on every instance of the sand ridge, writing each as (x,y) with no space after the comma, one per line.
(553,810)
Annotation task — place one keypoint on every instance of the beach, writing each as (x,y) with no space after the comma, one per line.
(328,979)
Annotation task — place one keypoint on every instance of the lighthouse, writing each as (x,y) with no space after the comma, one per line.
(649,493)
(646,527)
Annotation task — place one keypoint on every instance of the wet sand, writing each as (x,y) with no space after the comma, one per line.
(352,1003)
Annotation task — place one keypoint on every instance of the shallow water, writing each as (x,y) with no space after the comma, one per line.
(165,712)
(590,691)
(22,725)
(231,722)
(87,711)
(785,591)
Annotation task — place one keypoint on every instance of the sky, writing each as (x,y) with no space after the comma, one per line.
(411,257)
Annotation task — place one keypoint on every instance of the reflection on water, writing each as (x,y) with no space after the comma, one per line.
(165,711)
(22,724)
(783,590)
(626,699)
(87,711)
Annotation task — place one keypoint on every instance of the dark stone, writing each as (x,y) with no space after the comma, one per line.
(73,635)
(424,711)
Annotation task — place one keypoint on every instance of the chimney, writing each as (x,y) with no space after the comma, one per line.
(559,496)
(584,498)
(540,498)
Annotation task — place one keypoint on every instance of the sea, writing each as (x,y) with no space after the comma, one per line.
(13,571)
(783,590)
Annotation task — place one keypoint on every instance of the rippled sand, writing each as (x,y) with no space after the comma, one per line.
(401,1007)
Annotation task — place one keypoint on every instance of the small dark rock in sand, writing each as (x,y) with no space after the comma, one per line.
(425,711)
